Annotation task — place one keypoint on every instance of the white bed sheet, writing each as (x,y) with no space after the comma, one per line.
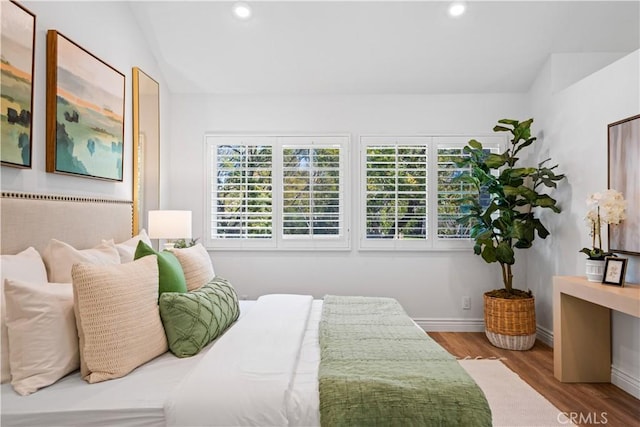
(303,404)
(135,400)
(259,374)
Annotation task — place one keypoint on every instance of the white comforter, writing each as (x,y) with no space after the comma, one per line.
(262,371)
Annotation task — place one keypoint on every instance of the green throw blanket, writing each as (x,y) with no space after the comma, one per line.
(378,369)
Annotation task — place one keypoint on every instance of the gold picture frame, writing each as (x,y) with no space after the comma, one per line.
(18,47)
(146,148)
(624,176)
(85,112)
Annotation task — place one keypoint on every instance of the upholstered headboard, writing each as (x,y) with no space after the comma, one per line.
(34,219)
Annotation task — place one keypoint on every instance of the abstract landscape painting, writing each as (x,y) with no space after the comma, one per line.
(16,100)
(85,112)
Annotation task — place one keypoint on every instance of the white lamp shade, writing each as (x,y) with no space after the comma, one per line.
(170,224)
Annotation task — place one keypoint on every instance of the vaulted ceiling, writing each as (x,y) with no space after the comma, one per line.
(381,47)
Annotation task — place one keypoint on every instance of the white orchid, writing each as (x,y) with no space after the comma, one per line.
(607,207)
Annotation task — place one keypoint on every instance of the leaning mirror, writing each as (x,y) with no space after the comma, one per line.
(146,148)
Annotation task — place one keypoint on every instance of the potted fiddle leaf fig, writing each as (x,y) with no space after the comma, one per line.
(502,216)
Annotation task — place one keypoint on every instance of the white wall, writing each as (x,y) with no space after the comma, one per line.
(107,30)
(572,125)
(573,129)
(429,285)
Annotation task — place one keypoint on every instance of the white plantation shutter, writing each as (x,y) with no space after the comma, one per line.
(277,192)
(396,191)
(240,190)
(409,191)
(449,191)
(311,192)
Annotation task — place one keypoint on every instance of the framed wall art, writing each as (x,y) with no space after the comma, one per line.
(85,112)
(614,271)
(16,100)
(624,176)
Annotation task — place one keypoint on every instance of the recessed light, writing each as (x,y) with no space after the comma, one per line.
(241,11)
(457,8)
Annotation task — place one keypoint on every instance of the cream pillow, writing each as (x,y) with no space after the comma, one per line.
(59,257)
(196,264)
(127,249)
(26,266)
(43,340)
(117,316)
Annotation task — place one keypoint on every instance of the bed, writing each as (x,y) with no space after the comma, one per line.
(264,369)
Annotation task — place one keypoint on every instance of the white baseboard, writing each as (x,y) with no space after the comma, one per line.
(470,325)
(450,325)
(545,335)
(626,382)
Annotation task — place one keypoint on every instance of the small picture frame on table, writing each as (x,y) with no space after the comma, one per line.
(614,270)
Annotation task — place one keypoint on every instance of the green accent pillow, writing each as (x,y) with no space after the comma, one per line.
(193,319)
(171,276)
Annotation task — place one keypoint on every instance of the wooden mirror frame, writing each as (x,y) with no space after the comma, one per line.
(146,147)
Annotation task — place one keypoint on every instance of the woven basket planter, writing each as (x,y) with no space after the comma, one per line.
(510,323)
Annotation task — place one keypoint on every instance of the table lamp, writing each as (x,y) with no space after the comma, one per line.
(169,225)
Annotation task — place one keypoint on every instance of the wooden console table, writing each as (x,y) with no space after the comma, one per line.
(582,326)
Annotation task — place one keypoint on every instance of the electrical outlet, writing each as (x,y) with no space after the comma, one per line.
(466,303)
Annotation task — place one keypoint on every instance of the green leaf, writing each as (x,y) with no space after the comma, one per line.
(485,235)
(475,144)
(501,129)
(489,254)
(541,229)
(477,249)
(504,253)
(510,190)
(519,172)
(494,161)
(528,194)
(549,183)
(545,201)
(511,122)
(527,143)
(523,244)
(524,231)
(477,230)
(586,251)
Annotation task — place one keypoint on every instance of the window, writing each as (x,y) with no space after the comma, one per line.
(409,192)
(311,192)
(277,192)
(396,191)
(243,186)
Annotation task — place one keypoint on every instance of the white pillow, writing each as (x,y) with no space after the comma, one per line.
(196,265)
(127,249)
(59,257)
(43,340)
(26,266)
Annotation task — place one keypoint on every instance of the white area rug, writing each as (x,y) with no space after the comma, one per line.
(513,402)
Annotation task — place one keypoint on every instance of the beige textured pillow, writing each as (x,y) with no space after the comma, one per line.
(196,264)
(43,340)
(117,316)
(59,257)
(26,266)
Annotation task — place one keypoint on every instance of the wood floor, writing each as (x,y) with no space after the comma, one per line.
(588,404)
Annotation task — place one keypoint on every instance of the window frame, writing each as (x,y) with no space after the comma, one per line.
(432,142)
(278,241)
